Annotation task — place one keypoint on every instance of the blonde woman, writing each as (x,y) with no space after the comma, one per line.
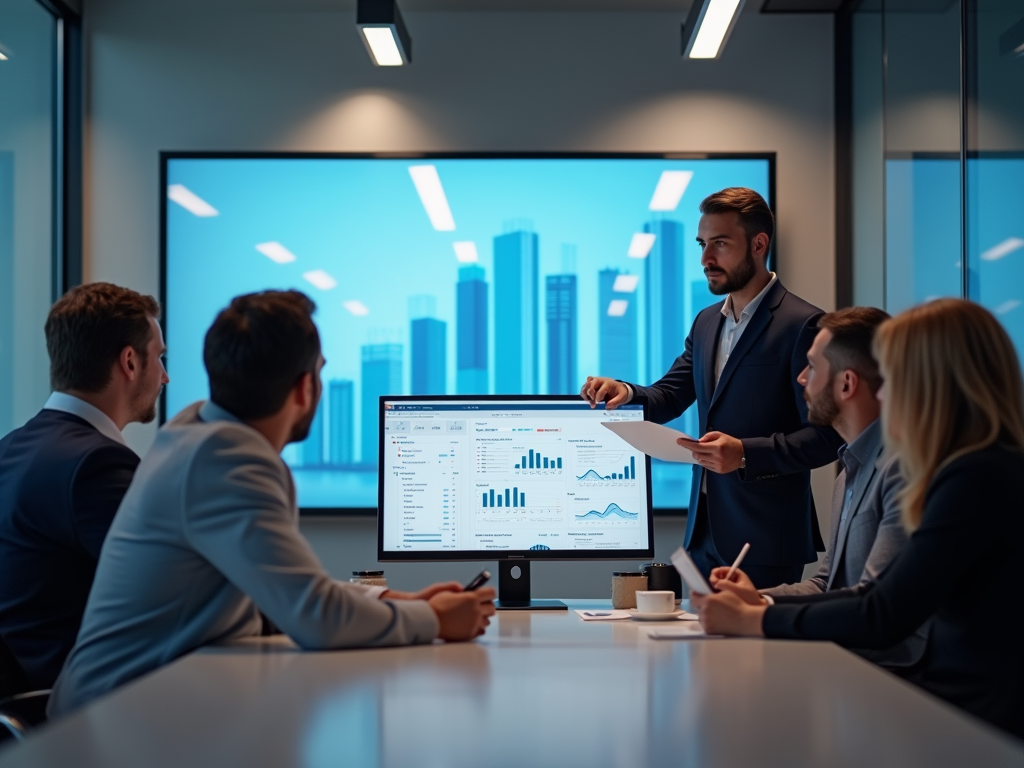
(953,411)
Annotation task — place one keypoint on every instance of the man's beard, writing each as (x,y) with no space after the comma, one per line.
(822,410)
(301,429)
(144,406)
(737,279)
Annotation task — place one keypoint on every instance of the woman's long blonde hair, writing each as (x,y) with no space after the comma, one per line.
(952,386)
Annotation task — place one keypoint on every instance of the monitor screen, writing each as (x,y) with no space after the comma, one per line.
(482,478)
(457,274)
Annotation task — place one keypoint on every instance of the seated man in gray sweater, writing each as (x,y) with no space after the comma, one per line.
(207,535)
(841,383)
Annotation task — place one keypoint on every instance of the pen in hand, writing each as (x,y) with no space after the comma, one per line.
(739,559)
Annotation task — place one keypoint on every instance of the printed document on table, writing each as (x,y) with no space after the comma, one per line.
(655,440)
(688,631)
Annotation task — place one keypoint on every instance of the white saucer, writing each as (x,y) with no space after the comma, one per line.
(654,616)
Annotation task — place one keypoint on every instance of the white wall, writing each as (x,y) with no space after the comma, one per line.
(188,79)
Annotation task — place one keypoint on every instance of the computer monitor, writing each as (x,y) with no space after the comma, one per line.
(512,478)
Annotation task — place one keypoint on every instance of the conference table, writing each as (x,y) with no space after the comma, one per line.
(539,689)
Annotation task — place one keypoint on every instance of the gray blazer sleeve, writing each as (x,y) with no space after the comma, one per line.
(890,537)
(889,540)
(251,536)
(812,586)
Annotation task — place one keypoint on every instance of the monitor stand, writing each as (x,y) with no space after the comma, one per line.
(514,589)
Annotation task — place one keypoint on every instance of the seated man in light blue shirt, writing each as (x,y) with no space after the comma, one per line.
(841,384)
(207,535)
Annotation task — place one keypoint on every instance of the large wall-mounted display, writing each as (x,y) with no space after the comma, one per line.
(444,275)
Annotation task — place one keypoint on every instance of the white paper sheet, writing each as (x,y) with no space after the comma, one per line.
(598,614)
(690,572)
(653,439)
(688,631)
(610,614)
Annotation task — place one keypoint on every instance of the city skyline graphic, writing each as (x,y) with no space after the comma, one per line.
(444,276)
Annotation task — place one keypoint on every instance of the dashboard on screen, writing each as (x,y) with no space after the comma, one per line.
(475,478)
(444,275)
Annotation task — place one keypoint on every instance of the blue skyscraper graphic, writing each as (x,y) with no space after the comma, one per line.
(341,421)
(429,348)
(382,375)
(516,322)
(471,331)
(665,297)
(313,445)
(560,302)
(616,323)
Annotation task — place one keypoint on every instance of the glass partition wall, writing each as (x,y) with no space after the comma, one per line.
(934,154)
(38,249)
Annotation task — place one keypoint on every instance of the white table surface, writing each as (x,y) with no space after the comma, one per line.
(539,689)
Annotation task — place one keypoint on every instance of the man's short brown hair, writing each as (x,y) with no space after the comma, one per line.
(755,215)
(257,350)
(853,331)
(87,329)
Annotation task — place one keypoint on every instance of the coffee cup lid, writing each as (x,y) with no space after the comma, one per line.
(628,573)
(655,565)
(367,573)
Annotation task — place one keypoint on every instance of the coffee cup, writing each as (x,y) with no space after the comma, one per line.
(655,601)
(663,576)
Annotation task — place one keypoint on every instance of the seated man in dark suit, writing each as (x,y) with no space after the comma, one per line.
(841,384)
(64,473)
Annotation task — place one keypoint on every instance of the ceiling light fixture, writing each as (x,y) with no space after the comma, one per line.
(626,283)
(276,252)
(617,307)
(465,251)
(2,56)
(190,201)
(641,245)
(383,31)
(435,203)
(670,189)
(320,279)
(708,27)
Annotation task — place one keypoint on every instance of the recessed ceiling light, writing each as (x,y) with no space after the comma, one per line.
(626,283)
(670,189)
(465,251)
(320,279)
(276,252)
(428,187)
(708,26)
(190,201)
(356,307)
(617,307)
(1005,248)
(383,32)
(641,245)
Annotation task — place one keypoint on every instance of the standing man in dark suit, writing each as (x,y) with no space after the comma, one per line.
(63,474)
(752,480)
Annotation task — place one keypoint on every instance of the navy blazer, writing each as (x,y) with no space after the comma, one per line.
(61,481)
(758,400)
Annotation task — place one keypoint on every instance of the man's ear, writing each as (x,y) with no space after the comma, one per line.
(302,392)
(759,245)
(128,363)
(851,384)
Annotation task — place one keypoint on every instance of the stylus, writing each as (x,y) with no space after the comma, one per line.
(739,559)
(478,581)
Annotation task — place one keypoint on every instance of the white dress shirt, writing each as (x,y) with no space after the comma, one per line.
(732,329)
(62,401)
